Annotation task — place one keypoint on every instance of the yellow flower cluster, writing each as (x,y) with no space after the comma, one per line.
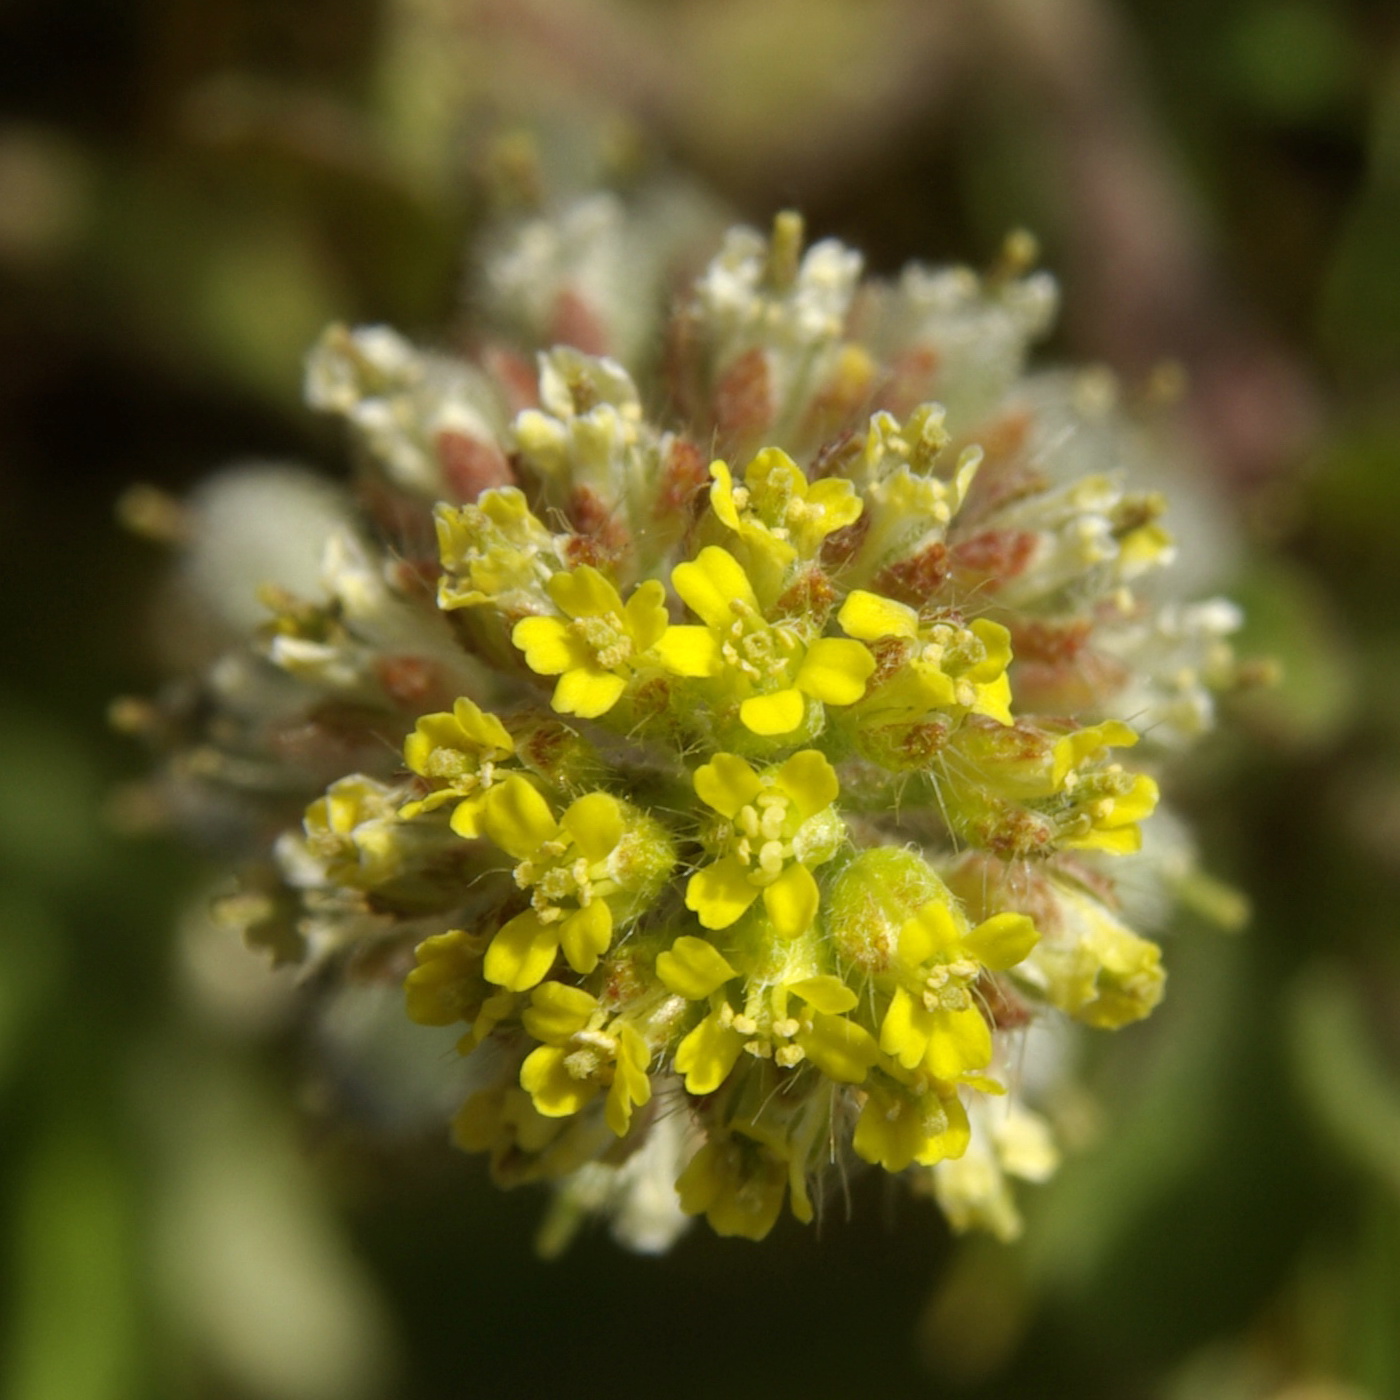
(716,814)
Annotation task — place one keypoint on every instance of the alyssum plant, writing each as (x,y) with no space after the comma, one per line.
(751,765)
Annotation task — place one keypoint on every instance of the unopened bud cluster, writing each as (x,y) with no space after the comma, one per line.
(744,761)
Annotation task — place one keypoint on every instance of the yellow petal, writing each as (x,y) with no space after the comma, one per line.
(835,499)
(585,593)
(1002,941)
(466,816)
(482,727)
(961,1041)
(631,1084)
(1074,748)
(825,993)
(517,818)
(869,617)
(994,700)
(710,582)
(841,1049)
(595,823)
(1116,841)
(689,651)
(904,1032)
(791,900)
(707,1055)
(557,1011)
(521,953)
(779,713)
(835,671)
(931,930)
(585,934)
(720,893)
(810,781)
(550,647)
(949,1141)
(693,968)
(554,1091)
(726,783)
(646,614)
(890,1130)
(997,641)
(587,692)
(722,495)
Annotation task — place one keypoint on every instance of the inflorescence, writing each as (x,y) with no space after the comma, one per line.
(748,766)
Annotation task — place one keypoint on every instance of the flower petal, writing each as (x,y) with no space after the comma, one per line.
(595,822)
(810,781)
(466,816)
(707,1055)
(689,651)
(779,713)
(550,647)
(693,968)
(1001,941)
(646,615)
(961,1041)
(792,900)
(517,818)
(521,953)
(726,783)
(722,494)
(557,1011)
(841,1049)
(931,930)
(587,692)
(711,582)
(556,1093)
(720,893)
(905,1030)
(825,993)
(585,934)
(584,593)
(869,617)
(835,671)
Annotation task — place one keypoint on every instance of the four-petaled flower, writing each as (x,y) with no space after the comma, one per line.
(595,646)
(580,1053)
(777,824)
(946,665)
(457,751)
(1108,802)
(932,1019)
(771,669)
(565,865)
(777,513)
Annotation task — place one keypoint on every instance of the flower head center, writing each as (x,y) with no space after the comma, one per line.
(606,636)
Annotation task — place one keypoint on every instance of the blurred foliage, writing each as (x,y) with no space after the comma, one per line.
(187,193)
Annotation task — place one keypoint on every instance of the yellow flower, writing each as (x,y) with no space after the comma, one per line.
(902,1124)
(566,864)
(771,670)
(946,665)
(581,1053)
(768,1027)
(494,551)
(777,824)
(595,646)
(457,751)
(777,512)
(355,832)
(932,1019)
(1108,802)
(737,1180)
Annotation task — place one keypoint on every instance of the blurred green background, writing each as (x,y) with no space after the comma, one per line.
(188,192)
